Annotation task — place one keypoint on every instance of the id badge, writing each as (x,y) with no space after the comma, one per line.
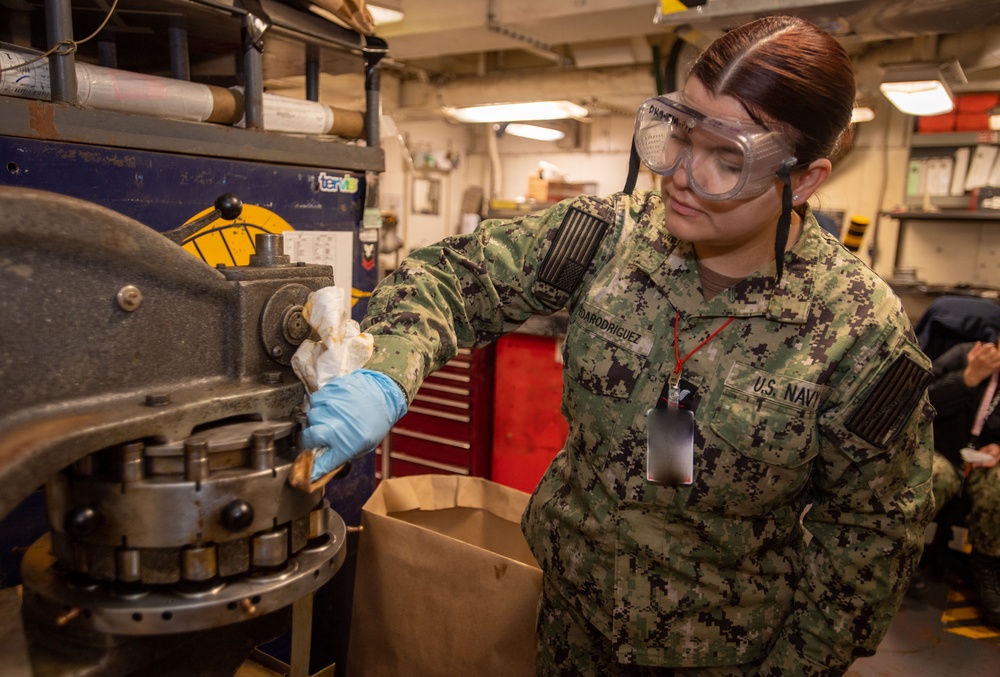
(669,445)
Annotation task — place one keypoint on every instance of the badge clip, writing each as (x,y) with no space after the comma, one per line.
(674,389)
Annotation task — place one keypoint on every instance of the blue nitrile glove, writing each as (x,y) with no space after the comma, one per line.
(349,416)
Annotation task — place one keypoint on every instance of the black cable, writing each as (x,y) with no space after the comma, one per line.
(66,46)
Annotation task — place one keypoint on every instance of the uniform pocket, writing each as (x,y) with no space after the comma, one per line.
(756,458)
(764,431)
(600,366)
(602,380)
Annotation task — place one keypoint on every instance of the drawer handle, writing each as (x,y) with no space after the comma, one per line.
(458,470)
(445,389)
(431,438)
(420,397)
(450,377)
(439,414)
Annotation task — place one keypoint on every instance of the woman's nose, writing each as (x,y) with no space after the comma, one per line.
(680,175)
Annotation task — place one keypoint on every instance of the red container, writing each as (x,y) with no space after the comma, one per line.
(528,428)
(929,124)
(972,122)
(976,103)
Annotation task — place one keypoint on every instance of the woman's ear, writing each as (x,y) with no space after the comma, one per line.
(806,181)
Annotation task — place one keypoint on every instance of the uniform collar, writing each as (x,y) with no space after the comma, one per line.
(671,265)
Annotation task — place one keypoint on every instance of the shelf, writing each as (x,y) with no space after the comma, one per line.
(206,44)
(946,203)
(980,216)
(20,118)
(139,32)
(947,139)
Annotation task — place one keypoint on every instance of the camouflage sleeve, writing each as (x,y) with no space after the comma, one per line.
(469,290)
(872,501)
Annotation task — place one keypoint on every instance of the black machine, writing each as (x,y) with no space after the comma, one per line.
(149,415)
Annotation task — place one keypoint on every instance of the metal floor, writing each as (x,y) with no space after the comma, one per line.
(935,635)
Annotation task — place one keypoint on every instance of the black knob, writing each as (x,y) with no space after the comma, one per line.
(237,515)
(82,522)
(229,206)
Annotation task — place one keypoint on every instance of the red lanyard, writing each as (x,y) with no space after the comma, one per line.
(673,394)
(677,353)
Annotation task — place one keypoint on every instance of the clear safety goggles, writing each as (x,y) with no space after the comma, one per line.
(723,159)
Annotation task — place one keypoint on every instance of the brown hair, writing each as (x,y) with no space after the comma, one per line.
(790,74)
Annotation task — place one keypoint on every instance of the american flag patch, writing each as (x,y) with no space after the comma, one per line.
(574,247)
(888,406)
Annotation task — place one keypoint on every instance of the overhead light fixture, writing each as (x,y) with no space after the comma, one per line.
(536,132)
(386,11)
(922,88)
(920,97)
(994,119)
(862,114)
(518,112)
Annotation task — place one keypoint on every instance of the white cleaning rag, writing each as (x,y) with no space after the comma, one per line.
(342,346)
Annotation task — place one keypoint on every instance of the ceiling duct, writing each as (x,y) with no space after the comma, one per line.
(531,44)
(854,22)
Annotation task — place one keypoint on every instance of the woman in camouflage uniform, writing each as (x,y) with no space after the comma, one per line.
(746,480)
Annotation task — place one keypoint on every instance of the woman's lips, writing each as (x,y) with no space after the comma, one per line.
(682,208)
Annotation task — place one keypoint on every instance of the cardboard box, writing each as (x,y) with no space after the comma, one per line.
(543,190)
(538,189)
(446,584)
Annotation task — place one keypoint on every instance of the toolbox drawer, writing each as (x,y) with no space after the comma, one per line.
(448,427)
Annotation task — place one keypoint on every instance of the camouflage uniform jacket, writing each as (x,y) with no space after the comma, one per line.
(811,401)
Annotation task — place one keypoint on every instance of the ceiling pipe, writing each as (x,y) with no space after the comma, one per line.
(630,82)
(976,51)
(533,45)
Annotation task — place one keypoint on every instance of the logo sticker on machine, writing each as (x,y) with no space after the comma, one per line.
(338,184)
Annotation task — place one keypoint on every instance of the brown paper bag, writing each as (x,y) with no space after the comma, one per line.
(445,584)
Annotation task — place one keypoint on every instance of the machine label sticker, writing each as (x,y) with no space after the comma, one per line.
(338,184)
(367,255)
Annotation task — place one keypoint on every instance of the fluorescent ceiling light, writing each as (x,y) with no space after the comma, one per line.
(512,112)
(534,132)
(862,114)
(922,88)
(919,97)
(386,12)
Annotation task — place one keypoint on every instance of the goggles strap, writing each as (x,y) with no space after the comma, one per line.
(784,221)
(633,169)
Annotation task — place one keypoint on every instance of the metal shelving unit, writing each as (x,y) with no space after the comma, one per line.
(946,143)
(171,39)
